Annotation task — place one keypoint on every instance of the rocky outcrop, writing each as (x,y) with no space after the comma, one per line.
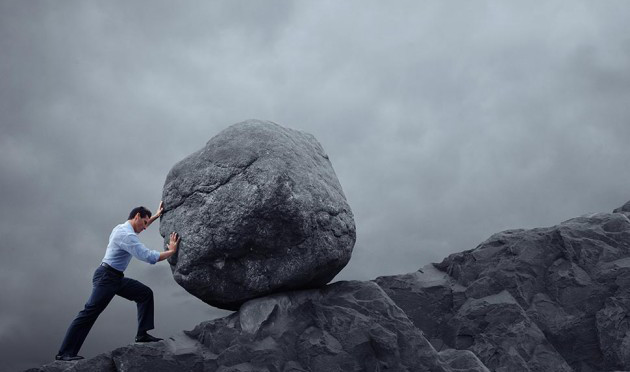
(177,353)
(259,210)
(346,326)
(544,299)
(495,328)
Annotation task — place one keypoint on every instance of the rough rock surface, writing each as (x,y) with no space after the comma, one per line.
(176,353)
(545,299)
(259,210)
(345,326)
(100,363)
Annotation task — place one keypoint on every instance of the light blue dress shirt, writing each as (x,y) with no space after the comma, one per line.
(124,243)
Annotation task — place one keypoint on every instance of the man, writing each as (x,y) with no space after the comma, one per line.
(109,280)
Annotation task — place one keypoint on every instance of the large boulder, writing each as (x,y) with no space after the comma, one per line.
(259,210)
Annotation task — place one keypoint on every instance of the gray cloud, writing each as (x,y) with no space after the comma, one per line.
(445,122)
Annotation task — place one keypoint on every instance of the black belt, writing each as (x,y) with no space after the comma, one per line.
(120,273)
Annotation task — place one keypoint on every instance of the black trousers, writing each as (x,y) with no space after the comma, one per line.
(106,284)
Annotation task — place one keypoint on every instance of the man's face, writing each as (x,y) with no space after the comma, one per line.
(140,223)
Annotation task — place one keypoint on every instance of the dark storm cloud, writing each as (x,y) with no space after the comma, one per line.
(445,122)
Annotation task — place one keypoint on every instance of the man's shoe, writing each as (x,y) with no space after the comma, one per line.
(147,338)
(68,358)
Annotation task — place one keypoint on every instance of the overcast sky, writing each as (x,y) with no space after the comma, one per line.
(445,122)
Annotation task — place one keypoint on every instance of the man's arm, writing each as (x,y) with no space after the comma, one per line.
(131,244)
(172,247)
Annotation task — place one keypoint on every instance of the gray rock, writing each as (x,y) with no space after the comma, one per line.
(502,336)
(176,353)
(623,209)
(569,279)
(179,353)
(428,297)
(554,298)
(259,210)
(345,326)
(612,320)
(100,363)
(494,328)
(462,360)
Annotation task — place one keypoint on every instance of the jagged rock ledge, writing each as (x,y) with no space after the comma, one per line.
(345,326)
(545,299)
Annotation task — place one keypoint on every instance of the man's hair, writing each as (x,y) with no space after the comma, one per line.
(142,210)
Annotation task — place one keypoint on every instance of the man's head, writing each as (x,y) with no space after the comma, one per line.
(139,219)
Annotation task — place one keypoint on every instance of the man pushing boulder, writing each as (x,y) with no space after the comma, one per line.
(109,280)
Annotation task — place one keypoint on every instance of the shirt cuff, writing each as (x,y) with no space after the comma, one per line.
(155,256)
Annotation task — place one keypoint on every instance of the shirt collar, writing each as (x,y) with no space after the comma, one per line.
(128,226)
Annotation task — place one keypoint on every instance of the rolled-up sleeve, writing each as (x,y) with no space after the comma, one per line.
(132,245)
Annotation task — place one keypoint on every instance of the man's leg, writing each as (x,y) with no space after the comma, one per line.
(102,294)
(133,290)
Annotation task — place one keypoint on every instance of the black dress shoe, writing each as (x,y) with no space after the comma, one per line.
(147,338)
(68,358)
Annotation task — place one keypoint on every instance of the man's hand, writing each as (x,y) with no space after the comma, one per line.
(174,243)
(172,247)
(157,214)
(160,209)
